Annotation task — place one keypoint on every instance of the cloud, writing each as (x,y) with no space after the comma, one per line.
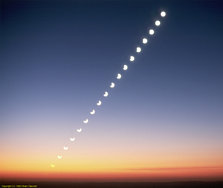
(175,168)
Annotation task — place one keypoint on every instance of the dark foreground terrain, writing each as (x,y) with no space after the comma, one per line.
(112,185)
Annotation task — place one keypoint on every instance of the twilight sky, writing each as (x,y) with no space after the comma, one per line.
(163,120)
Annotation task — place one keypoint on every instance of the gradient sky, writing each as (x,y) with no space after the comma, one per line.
(163,121)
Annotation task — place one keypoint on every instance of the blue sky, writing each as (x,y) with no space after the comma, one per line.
(58,58)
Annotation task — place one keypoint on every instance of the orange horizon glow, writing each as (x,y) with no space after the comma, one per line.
(87,165)
(132,175)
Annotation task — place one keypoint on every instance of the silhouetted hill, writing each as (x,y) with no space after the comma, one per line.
(117,184)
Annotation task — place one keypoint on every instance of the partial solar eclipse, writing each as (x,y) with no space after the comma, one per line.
(59,156)
(112,85)
(125,67)
(138,49)
(79,130)
(65,148)
(72,139)
(92,112)
(99,103)
(132,58)
(119,76)
(105,94)
(85,121)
